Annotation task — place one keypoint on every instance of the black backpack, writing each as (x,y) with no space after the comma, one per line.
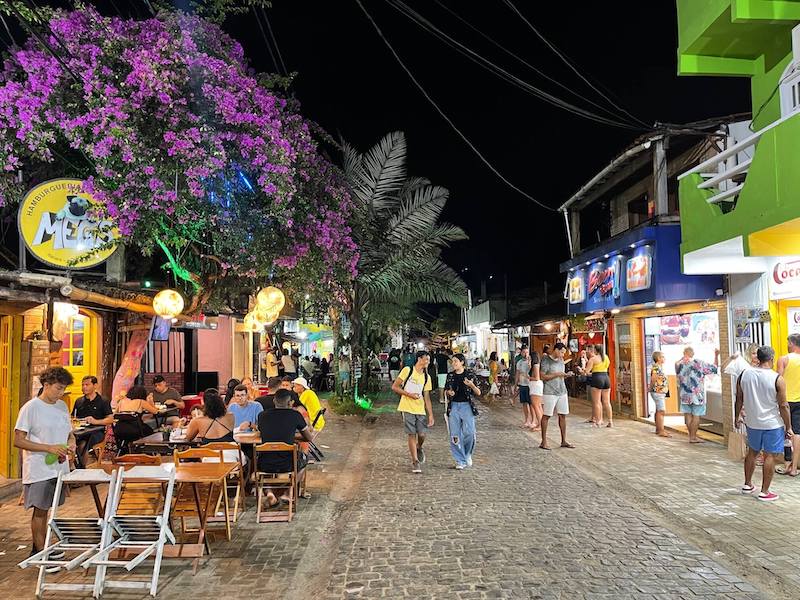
(424,384)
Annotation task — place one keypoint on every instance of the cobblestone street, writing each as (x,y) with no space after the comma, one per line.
(624,515)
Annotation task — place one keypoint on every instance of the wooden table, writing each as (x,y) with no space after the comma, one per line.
(196,474)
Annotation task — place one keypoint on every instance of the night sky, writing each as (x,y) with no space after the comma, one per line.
(350,84)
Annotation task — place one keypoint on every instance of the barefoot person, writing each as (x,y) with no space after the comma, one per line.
(762,394)
(659,390)
(413,385)
(460,388)
(523,367)
(555,398)
(536,387)
(691,373)
(44,434)
(789,369)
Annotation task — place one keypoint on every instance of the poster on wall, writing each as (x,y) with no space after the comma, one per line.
(793,320)
(743,332)
(675,329)
(705,329)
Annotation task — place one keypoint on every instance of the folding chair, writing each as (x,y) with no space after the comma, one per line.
(84,535)
(188,504)
(274,481)
(137,459)
(313,449)
(237,477)
(143,533)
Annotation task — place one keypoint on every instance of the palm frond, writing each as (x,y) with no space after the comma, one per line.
(419,211)
(383,171)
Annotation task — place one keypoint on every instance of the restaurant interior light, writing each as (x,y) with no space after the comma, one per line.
(548,326)
(168,304)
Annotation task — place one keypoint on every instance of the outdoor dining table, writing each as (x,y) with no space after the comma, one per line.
(195,474)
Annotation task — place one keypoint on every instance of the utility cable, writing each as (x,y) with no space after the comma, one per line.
(274,41)
(266,41)
(444,116)
(409,13)
(569,63)
(521,60)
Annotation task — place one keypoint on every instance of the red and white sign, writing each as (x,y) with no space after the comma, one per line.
(793,317)
(785,280)
(638,273)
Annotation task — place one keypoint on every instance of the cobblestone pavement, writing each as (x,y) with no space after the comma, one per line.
(594,522)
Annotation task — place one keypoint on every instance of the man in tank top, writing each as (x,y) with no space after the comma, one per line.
(762,394)
(789,369)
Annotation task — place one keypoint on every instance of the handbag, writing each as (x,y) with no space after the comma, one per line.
(737,444)
(494,389)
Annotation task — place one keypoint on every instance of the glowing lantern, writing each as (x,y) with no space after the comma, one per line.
(253,323)
(271,299)
(266,316)
(168,304)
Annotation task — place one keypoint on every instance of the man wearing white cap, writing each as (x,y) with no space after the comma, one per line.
(309,399)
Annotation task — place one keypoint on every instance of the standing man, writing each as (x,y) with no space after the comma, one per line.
(762,392)
(442,361)
(789,369)
(245,411)
(271,364)
(523,368)
(554,399)
(289,366)
(96,410)
(691,374)
(414,388)
(163,394)
(394,364)
(44,432)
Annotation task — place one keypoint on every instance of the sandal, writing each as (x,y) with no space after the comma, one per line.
(566,445)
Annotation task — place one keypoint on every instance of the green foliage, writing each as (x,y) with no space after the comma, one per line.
(215,10)
(345,406)
(31,14)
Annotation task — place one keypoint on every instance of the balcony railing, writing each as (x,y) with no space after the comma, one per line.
(725,173)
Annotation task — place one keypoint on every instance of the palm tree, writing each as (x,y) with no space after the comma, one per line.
(400,239)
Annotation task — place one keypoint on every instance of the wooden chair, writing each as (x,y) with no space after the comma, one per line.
(236,480)
(275,481)
(139,498)
(210,496)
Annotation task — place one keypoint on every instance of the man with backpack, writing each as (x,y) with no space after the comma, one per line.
(413,385)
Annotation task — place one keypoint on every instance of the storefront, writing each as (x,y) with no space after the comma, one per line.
(633,285)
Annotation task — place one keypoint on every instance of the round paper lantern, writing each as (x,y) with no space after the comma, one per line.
(168,304)
(266,316)
(253,323)
(271,299)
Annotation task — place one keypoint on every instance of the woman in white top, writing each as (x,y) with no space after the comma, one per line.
(289,368)
(536,386)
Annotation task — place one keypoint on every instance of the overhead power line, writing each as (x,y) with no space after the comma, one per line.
(266,41)
(522,61)
(570,64)
(274,40)
(485,63)
(444,115)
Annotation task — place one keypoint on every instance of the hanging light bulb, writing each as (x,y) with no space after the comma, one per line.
(271,298)
(168,304)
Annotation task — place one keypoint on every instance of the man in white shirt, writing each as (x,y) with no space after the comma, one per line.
(762,394)
(44,434)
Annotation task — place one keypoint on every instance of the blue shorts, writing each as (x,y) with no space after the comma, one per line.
(693,409)
(768,440)
(524,394)
(660,400)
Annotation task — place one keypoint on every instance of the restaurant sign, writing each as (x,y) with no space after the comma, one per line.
(575,288)
(59,228)
(638,274)
(604,279)
(785,280)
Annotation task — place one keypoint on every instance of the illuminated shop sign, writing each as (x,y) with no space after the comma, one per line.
(639,271)
(575,288)
(604,279)
(785,280)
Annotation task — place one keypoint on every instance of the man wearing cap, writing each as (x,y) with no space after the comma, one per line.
(309,399)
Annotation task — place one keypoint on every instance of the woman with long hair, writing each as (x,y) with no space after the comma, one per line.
(536,386)
(232,383)
(460,389)
(494,369)
(252,391)
(598,365)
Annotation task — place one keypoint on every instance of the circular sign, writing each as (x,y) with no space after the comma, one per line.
(57,225)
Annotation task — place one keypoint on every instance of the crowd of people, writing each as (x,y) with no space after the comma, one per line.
(45,430)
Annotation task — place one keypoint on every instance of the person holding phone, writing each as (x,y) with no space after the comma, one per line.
(555,399)
(413,385)
(460,388)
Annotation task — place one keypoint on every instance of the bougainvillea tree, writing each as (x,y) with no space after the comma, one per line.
(186,149)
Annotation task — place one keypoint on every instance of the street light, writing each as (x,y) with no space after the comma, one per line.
(168,304)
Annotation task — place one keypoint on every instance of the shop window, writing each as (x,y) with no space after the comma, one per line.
(640,210)
(73,346)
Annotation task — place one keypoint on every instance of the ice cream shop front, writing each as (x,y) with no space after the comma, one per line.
(634,282)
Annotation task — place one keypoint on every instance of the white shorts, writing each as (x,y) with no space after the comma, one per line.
(442,379)
(536,388)
(555,404)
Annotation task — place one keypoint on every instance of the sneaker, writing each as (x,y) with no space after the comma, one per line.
(768,497)
(469,461)
(420,455)
(416,467)
(460,467)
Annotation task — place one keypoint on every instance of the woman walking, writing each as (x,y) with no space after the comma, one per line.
(601,385)
(494,369)
(460,388)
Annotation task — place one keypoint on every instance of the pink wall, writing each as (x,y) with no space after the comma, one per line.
(215,350)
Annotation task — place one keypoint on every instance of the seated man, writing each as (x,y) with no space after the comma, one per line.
(168,396)
(245,411)
(96,410)
(280,424)
(310,400)
(267,400)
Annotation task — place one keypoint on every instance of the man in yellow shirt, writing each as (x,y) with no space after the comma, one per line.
(413,385)
(789,368)
(310,400)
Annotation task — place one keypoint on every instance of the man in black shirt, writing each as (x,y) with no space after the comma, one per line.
(280,424)
(441,359)
(267,401)
(96,410)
